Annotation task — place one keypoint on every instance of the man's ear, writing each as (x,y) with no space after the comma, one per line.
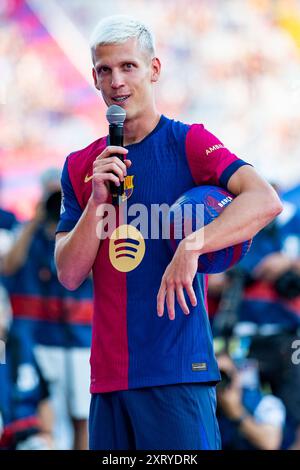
(95,78)
(155,69)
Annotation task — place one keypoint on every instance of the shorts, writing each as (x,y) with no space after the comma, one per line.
(68,374)
(168,417)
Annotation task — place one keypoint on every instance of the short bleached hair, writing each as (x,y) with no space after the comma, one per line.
(118,29)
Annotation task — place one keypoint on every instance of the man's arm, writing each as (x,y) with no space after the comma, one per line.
(17,255)
(256,205)
(263,435)
(75,251)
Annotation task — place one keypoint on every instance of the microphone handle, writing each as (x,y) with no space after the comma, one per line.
(116,138)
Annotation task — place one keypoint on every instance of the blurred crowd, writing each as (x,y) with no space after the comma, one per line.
(255,315)
(254,311)
(44,399)
(232,65)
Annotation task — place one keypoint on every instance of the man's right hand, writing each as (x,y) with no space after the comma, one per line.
(108,168)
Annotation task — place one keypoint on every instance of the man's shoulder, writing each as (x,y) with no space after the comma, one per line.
(186,135)
(180,129)
(90,152)
(80,163)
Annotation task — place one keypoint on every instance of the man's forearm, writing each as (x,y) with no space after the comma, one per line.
(262,436)
(241,220)
(17,255)
(75,253)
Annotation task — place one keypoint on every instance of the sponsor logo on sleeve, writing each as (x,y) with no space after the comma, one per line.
(213,148)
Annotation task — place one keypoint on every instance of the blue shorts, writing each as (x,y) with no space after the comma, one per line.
(168,417)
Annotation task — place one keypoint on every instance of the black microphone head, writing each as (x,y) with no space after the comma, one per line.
(115,114)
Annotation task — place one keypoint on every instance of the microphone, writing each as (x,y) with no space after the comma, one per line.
(116,117)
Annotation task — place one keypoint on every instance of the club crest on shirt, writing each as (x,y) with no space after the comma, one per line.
(128,187)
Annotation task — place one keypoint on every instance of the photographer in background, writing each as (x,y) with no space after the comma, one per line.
(247,418)
(271,302)
(8,228)
(262,297)
(57,321)
(8,224)
(23,392)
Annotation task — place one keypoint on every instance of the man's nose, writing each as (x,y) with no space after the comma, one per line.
(117,79)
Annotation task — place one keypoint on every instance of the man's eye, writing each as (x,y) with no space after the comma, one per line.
(128,66)
(103,70)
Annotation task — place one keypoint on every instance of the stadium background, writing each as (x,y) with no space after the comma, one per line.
(234,65)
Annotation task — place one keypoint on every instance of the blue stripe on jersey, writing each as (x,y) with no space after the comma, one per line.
(70,208)
(163,351)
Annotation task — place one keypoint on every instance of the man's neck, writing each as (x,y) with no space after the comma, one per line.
(135,130)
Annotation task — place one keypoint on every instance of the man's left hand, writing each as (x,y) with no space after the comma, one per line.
(178,276)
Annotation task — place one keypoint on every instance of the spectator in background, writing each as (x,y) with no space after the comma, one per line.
(24,397)
(57,321)
(248,419)
(272,302)
(270,305)
(23,392)
(8,223)
(50,181)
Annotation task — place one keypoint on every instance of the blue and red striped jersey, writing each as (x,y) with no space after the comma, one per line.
(131,346)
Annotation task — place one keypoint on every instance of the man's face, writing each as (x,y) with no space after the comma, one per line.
(125,75)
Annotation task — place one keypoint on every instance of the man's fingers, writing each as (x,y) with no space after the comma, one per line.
(111,150)
(181,300)
(170,302)
(112,167)
(103,177)
(111,161)
(192,296)
(161,299)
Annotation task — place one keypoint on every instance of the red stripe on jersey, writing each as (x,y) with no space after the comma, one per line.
(52,309)
(206,155)
(109,357)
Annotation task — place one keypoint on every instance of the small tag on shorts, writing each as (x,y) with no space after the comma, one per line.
(198,366)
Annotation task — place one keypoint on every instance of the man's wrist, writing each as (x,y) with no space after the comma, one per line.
(194,242)
(240,419)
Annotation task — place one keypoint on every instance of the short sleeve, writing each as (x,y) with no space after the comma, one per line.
(270,410)
(209,160)
(70,211)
